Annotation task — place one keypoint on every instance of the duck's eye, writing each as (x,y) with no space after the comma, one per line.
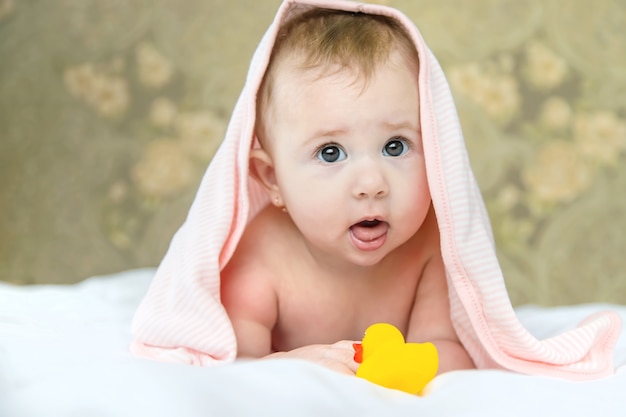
(331,153)
(396,147)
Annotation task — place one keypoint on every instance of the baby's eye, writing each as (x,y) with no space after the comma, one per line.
(331,153)
(396,147)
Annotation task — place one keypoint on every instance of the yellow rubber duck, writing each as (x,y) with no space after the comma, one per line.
(388,361)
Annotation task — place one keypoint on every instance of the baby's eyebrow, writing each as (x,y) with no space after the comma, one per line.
(400,125)
(327,133)
(338,132)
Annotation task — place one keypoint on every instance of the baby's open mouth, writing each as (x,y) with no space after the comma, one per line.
(369,230)
(369,223)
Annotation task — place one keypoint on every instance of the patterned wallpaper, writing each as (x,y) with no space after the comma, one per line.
(110,111)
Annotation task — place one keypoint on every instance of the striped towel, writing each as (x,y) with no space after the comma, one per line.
(181,318)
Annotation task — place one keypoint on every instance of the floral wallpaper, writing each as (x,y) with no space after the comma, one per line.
(110,110)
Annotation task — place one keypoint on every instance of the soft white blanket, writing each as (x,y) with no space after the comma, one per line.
(64,352)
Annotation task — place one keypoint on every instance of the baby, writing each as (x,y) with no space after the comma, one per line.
(351,237)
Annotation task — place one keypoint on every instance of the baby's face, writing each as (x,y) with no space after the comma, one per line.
(348,159)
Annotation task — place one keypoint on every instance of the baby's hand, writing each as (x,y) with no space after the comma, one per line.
(338,357)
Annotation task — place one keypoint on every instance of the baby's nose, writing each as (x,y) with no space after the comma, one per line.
(370,183)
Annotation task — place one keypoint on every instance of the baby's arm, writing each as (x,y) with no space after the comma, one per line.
(251,304)
(252,307)
(251,300)
(431,322)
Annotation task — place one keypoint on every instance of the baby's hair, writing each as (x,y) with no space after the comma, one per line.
(333,41)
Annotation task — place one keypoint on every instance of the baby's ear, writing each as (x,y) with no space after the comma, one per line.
(262,169)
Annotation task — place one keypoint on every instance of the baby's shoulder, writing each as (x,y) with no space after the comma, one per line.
(427,239)
(265,238)
(250,264)
(269,227)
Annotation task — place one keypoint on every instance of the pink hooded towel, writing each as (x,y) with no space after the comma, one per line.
(181,319)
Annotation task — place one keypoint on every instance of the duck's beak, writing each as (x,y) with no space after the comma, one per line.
(358,352)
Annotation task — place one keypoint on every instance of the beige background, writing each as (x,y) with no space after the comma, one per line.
(110,111)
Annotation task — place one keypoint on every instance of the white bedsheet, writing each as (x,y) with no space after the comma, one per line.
(64,352)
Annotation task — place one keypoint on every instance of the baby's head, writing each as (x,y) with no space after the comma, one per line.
(338,122)
(321,42)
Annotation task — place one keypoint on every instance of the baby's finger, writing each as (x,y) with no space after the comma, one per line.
(346,352)
(345,344)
